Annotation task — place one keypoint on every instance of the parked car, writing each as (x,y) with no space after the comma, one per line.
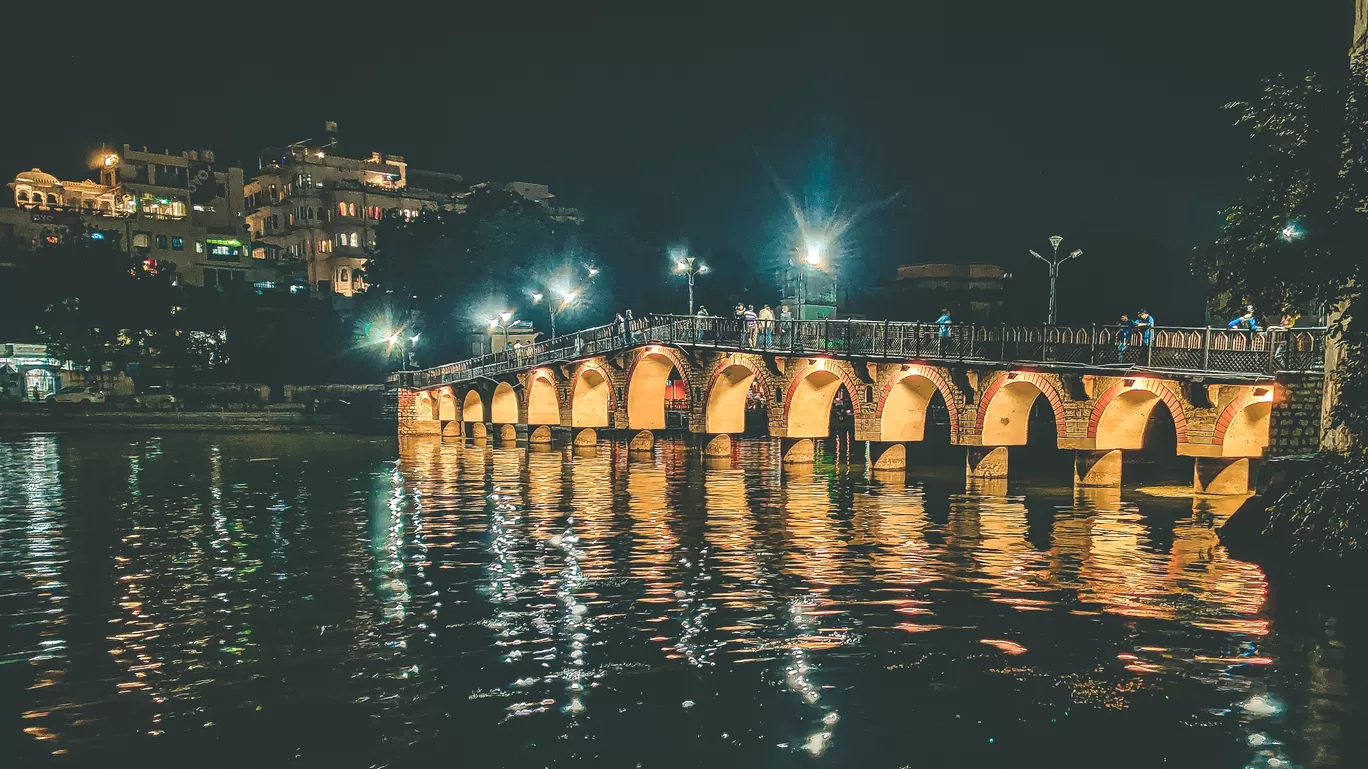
(77,394)
(155,397)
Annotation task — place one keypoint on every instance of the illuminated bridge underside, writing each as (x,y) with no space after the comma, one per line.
(1224,419)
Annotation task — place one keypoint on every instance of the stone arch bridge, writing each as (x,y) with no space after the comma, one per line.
(1234,397)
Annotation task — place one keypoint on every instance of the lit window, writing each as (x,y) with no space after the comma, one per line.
(351,209)
(142,240)
(341,208)
(353,240)
(344,276)
(23,196)
(177,244)
(161,242)
(199,246)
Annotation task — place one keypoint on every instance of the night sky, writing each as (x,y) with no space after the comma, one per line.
(996,124)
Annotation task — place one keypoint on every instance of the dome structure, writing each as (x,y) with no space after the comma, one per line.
(37,177)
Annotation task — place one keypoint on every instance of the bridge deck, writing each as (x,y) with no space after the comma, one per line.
(1178,351)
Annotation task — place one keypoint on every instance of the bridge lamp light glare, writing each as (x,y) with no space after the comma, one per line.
(814,253)
(536,297)
(506,317)
(702,268)
(1292,231)
(414,339)
(681,267)
(493,323)
(568,297)
(593,271)
(393,339)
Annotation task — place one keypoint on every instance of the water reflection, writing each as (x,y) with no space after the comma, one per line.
(326,603)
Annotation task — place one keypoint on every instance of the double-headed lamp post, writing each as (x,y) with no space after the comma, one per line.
(501,321)
(405,355)
(553,307)
(690,267)
(1054,263)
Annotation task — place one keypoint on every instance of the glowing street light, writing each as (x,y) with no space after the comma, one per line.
(1054,263)
(812,258)
(567,298)
(494,324)
(690,267)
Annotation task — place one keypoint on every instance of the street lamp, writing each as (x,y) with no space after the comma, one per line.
(567,298)
(690,267)
(1054,263)
(405,355)
(812,257)
(494,324)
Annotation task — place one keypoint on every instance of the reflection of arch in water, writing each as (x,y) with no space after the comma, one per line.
(647,380)
(902,409)
(816,550)
(591,397)
(591,489)
(543,404)
(811,394)
(654,543)
(1122,413)
(1243,427)
(732,533)
(1005,408)
(724,409)
(544,492)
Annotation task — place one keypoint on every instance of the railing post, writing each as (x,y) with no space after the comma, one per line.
(1148,336)
(1206,349)
(848,350)
(916,340)
(1272,350)
(1092,345)
(972,333)
(1044,342)
(885,338)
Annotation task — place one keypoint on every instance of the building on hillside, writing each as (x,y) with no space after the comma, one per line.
(974,293)
(317,209)
(180,212)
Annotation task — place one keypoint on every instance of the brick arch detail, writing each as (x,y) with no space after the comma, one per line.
(685,370)
(1228,415)
(1044,385)
(946,390)
(839,368)
(533,375)
(728,362)
(1156,386)
(612,384)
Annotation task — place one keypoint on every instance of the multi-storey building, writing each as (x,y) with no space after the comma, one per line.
(178,212)
(318,209)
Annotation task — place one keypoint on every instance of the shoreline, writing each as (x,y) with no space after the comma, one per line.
(253,420)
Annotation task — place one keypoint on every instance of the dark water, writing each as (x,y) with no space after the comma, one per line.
(309,601)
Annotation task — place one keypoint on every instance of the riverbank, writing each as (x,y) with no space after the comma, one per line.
(284,418)
(1313,513)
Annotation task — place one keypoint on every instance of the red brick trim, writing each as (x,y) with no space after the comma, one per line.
(1045,386)
(937,379)
(1156,386)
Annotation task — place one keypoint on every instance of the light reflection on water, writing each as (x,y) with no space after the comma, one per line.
(312,600)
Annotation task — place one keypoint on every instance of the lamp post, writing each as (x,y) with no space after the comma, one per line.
(494,324)
(812,257)
(1054,263)
(567,298)
(690,267)
(405,354)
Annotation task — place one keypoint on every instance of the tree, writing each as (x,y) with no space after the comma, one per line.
(1295,242)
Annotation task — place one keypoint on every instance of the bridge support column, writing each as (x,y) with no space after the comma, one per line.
(888,456)
(718,446)
(1100,469)
(452,429)
(642,441)
(507,435)
(477,430)
(539,435)
(585,436)
(1223,475)
(797,451)
(986,463)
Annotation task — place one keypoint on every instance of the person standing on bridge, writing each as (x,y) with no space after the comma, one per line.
(943,333)
(620,325)
(699,323)
(750,322)
(1145,321)
(766,318)
(1122,337)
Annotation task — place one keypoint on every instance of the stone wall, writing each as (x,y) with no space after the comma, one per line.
(1295,424)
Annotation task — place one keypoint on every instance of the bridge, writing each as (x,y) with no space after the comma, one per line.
(1235,397)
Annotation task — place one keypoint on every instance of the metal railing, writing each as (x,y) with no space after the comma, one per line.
(1170,349)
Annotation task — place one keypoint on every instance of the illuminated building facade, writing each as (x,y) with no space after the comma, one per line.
(317,209)
(179,212)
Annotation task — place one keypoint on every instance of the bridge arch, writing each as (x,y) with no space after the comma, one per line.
(472,407)
(427,407)
(647,379)
(1005,408)
(1121,414)
(591,397)
(724,406)
(1243,427)
(810,395)
(902,409)
(543,402)
(503,405)
(446,405)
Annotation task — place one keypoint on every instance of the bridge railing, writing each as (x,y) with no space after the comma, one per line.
(1214,350)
